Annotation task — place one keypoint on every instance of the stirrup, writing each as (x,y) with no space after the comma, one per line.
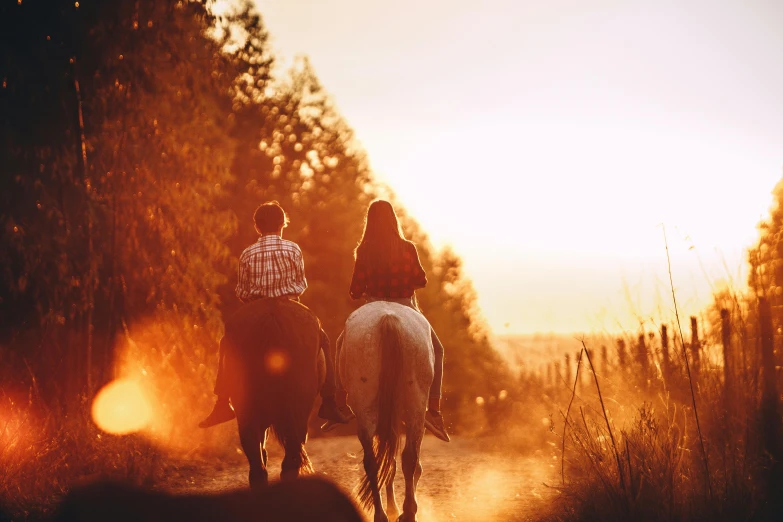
(216,417)
(438,432)
(330,425)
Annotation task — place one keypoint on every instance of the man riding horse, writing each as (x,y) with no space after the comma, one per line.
(272,267)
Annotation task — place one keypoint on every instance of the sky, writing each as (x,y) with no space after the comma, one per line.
(550,143)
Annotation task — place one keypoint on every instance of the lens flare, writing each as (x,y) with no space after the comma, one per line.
(276,362)
(121,407)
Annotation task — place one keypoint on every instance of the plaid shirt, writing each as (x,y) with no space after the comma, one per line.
(271,267)
(398,280)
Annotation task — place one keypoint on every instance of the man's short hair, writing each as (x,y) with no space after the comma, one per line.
(270,217)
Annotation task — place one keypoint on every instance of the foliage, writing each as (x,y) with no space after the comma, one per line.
(766,258)
(138,138)
(114,120)
(42,455)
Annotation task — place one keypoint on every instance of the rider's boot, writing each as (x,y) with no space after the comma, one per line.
(333,413)
(433,420)
(221,412)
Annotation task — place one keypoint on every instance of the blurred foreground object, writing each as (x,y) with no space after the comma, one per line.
(297,500)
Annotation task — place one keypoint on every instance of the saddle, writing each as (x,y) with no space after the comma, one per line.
(250,312)
(267,317)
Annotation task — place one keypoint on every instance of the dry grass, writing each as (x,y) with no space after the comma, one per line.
(636,457)
(49,442)
(653,469)
(42,456)
(663,475)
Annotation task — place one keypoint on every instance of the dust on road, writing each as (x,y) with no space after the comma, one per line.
(462,480)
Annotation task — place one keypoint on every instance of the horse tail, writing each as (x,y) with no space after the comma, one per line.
(284,434)
(386,440)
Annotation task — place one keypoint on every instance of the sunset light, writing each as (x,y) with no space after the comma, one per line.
(121,407)
(549,141)
(458,260)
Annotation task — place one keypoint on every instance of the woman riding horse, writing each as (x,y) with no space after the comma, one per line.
(387,268)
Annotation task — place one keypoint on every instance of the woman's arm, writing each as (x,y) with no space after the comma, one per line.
(358,280)
(419,278)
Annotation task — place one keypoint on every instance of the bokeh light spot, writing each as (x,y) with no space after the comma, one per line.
(121,407)
(276,362)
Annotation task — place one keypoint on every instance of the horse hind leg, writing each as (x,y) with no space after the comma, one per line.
(411,468)
(252,436)
(293,438)
(295,459)
(369,489)
(417,473)
(392,511)
(264,453)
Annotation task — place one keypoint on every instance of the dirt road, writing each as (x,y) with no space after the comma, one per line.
(462,480)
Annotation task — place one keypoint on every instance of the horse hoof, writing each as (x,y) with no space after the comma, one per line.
(258,486)
(288,476)
(258,482)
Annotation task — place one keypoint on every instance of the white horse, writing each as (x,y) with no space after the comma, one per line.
(387,365)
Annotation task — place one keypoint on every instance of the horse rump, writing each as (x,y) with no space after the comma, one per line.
(308,498)
(387,437)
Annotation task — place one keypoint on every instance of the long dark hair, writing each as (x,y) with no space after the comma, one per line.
(382,240)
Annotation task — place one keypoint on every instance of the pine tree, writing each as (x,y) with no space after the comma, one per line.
(115,117)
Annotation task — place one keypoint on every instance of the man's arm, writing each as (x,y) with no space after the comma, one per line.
(299,270)
(243,283)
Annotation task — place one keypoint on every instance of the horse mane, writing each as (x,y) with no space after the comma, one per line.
(386,440)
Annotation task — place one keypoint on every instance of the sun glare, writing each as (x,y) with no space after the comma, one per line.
(551,172)
(121,407)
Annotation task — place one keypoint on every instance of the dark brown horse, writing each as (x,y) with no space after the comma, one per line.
(272,358)
(307,498)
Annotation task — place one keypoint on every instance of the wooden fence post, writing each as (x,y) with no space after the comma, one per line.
(568,369)
(621,355)
(604,361)
(695,348)
(769,395)
(665,353)
(642,360)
